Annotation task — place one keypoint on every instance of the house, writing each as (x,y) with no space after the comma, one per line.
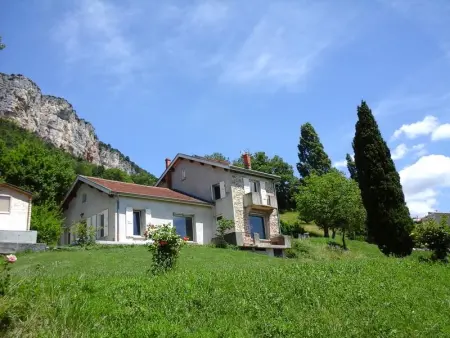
(15,216)
(437,216)
(193,193)
(15,208)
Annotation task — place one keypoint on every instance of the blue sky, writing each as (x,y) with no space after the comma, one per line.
(160,77)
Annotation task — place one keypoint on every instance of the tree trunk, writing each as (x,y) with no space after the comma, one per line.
(326,232)
(343,240)
(333,234)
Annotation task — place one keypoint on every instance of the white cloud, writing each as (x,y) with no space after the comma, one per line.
(94,35)
(340,164)
(286,43)
(419,150)
(399,152)
(423,180)
(441,132)
(208,13)
(413,130)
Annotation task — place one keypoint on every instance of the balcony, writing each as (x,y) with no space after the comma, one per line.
(254,200)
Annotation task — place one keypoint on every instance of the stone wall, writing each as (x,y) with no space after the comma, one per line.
(241,214)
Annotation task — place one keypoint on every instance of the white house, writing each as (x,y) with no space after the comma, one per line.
(15,208)
(121,211)
(192,194)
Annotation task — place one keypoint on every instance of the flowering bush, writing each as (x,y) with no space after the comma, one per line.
(4,273)
(164,244)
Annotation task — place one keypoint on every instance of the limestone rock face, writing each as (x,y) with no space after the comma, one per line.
(55,121)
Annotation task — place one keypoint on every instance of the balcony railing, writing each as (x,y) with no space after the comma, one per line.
(255,201)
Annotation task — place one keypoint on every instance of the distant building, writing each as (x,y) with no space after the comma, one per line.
(437,216)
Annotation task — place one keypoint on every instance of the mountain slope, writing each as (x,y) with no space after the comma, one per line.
(54,120)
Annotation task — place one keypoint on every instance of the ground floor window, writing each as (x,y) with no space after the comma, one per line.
(136,223)
(183,226)
(257,226)
(102,225)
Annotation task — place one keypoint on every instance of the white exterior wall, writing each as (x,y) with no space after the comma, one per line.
(162,212)
(198,181)
(18,217)
(96,203)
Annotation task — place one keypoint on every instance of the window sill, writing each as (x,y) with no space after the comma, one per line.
(136,237)
(5,212)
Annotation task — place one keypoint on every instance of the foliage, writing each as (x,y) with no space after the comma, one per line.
(332,201)
(288,183)
(144,178)
(48,172)
(228,293)
(223,225)
(351,167)
(84,234)
(217,157)
(47,220)
(5,277)
(388,220)
(116,175)
(165,245)
(311,154)
(292,228)
(435,236)
(2,45)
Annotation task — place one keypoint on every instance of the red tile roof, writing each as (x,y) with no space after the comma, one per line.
(143,190)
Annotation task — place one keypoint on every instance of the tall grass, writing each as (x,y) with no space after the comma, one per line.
(226,293)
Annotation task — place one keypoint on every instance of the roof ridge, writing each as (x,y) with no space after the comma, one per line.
(131,183)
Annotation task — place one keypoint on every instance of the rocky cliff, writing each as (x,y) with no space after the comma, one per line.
(55,120)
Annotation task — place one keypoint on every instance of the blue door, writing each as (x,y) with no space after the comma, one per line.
(257,225)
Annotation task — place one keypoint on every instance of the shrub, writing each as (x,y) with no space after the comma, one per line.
(85,235)
(434,236)
(291,253)
(222,226)
(5,277)
(292,229)
(165,245)
(47,220)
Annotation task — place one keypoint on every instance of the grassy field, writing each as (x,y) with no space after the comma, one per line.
(225,293)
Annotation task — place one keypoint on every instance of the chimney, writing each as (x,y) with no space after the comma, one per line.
(168,161)
(247,160)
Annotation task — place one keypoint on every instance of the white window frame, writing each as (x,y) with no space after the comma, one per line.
(9,210)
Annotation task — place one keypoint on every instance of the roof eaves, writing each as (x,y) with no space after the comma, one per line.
(165,199)
(254,172)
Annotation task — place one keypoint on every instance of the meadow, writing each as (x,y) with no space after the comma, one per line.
(325,292)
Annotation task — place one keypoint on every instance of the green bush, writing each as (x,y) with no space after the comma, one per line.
(47,220)
(85,235)
(222,226)
(292,229)
(434,236)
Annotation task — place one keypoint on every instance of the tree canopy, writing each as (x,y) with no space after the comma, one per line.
(388,220)
(332,201)
(2,45)
(311,154)
(217,156)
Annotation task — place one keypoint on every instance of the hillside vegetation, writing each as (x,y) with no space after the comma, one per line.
(326,292)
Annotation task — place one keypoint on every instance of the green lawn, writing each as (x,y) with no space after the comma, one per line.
(225,293)
(291,217)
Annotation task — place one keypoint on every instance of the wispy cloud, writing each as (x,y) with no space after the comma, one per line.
(94,35)
(420,128)
(340,164)
(402,150)
(288,41)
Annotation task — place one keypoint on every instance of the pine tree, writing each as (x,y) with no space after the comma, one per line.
(388,221)
(351,168)
(312,157)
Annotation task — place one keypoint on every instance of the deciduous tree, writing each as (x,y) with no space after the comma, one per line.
(332,201)
(388,220)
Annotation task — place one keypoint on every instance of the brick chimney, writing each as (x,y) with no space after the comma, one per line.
(247,160)
(168,161)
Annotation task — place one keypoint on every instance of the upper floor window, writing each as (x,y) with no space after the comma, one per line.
(183,174)
(254,186)
(218,191)
(5,204)
(83,198)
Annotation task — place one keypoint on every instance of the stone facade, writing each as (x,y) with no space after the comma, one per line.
(55,120)
(241,213)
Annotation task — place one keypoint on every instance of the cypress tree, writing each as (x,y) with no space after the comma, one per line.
(351,168)
(388,221)
(312,157)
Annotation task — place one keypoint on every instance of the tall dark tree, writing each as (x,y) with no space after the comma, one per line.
(351,167)
(312,157)
(388,221)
